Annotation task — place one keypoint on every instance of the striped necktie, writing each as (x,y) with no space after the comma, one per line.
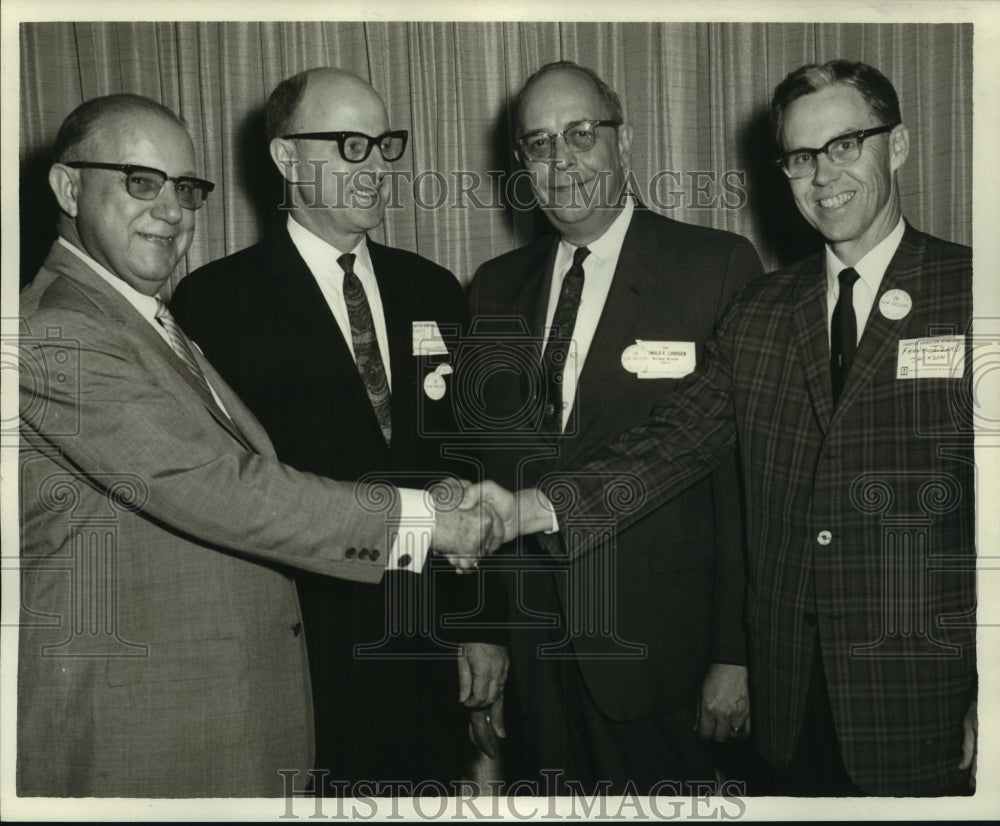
(182,346)
(366,352)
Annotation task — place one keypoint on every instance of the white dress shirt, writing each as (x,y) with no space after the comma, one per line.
(598,270)
(870,269)
(321,259)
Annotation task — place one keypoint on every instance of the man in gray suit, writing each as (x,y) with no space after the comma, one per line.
(161,646)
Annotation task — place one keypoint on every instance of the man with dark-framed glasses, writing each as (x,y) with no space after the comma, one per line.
(318,328)
(615,306)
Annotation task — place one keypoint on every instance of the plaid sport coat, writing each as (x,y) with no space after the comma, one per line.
(860,518)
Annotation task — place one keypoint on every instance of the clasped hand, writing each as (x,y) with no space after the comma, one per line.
(474,520)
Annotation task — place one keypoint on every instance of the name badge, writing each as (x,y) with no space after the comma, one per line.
(659,359)
(427,340)
(940,357)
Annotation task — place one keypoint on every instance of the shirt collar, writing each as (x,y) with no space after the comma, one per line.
(321,257)
(870,269)
(146,305)
(609,245)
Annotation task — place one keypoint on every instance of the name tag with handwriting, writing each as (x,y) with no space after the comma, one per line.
(939,357)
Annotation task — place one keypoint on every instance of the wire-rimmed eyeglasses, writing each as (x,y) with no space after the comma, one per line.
(579,137)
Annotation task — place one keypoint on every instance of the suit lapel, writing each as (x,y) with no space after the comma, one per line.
(142,333)
(531,304)
(811,341)
(878,341)
(637,261)
(395,292)
(302,302)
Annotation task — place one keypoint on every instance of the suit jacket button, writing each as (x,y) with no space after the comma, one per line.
(351,553)
(363,553)
(824,537)
(405,560)
(297,629)
(375,554)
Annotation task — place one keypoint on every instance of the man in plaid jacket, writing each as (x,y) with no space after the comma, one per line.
(845,383)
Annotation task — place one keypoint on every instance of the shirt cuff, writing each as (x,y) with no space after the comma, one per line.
(411,537)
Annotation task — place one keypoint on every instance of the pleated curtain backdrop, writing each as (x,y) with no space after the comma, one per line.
(696,93)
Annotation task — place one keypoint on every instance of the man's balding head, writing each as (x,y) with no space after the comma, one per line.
(139,241)
(337,199)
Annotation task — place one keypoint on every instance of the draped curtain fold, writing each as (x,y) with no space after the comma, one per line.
(696,93)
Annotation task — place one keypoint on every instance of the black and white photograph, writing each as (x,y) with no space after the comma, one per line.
(500,412)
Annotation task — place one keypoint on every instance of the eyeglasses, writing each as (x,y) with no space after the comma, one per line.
(842,150)
(355,147)
(579,137)
(146,183)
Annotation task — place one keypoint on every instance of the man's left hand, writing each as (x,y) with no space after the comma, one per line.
(970,742)
(724,708)
(482,672)
(485,726)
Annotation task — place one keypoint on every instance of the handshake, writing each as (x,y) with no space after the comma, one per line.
(473,520)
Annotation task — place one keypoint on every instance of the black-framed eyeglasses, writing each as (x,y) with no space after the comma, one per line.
(842,150)
(579,137)
(355,147)
(146,183)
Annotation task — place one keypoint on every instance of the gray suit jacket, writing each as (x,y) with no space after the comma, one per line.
(161,647)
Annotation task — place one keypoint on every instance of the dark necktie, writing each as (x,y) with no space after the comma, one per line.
(557,348)
(843,333)
(181,345)
(366,353)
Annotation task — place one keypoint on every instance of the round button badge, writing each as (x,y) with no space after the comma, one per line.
(434,386)
(895,304)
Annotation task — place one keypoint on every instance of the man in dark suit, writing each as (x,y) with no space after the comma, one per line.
(649,639)
(845,381)
(161,650)
(348,399)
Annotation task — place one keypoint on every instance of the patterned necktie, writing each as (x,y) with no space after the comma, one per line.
(366,353)
(557,349)
(181,345)
(843,333)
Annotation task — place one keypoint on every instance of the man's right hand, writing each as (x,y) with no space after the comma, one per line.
(463,534)
(524,512)
(488,516)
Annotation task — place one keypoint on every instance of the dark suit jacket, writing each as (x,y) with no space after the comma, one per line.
(678,574)
(161,649)
(861,518)
(261,318)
